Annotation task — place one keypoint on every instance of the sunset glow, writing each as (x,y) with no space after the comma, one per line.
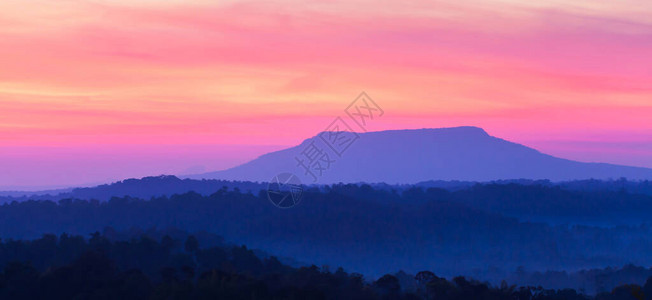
(208,84)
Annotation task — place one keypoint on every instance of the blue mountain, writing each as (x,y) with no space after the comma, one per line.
(410,156)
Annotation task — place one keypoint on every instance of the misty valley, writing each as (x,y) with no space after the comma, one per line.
(506,238)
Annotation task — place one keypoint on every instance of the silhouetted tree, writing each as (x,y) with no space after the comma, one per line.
(192,244)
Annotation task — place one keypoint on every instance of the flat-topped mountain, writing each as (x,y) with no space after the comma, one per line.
(410,156)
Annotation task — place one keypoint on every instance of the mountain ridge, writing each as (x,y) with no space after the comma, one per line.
(414,155)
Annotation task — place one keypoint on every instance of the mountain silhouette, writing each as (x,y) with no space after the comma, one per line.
(410,156)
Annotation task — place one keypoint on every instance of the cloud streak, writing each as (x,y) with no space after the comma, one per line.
(76,73)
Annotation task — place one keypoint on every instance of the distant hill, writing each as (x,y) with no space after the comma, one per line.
(411,156)
(144,188)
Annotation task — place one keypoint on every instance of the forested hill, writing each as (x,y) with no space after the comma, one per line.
(358,226)
(144,188)
(168,185)
(173,264)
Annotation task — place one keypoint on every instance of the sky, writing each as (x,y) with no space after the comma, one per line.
(96,91)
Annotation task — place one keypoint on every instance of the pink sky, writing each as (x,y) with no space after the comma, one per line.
(92,91)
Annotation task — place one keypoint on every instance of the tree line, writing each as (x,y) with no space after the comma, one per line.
(159,266)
